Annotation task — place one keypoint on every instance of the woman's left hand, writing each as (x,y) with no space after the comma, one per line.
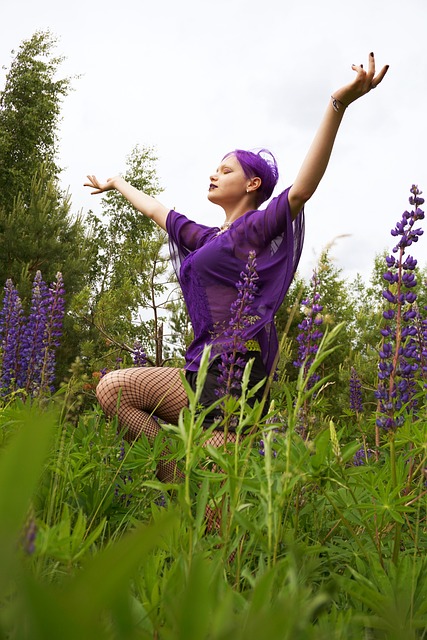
(364,81)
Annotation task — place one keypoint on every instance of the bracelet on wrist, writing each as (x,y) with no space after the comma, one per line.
(337,105)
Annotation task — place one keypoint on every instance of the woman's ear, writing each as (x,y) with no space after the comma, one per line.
(254,184)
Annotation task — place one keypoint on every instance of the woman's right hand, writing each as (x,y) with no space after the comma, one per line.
(364,82)
(101,187)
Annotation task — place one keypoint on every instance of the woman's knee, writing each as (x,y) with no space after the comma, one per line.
(107,392)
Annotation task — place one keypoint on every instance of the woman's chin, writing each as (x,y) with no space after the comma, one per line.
(212,196)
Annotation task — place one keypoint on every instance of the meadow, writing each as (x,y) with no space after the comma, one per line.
(317,532)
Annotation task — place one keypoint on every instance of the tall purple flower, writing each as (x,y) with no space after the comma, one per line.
(361,456)
(422,333)
(310,333)
(399,353)
(232,364)
(33,336)
(11,320)
(28,345)
(53,331)
(356,403)
(139,356)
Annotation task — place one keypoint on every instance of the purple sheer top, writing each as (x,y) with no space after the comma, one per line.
(208,265)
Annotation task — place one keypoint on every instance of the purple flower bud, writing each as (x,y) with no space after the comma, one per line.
(388,295)
(390,277)
(389,314)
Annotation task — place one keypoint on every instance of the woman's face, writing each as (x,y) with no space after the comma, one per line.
(228,183)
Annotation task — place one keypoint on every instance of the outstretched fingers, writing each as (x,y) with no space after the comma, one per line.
(94,184)
(366,79)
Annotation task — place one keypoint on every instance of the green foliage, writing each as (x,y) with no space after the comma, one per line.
(39,234)
(284,539)
(30,106)
(302,548)
(130,283)
(37,230)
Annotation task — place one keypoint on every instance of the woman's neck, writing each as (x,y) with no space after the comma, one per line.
(235,212)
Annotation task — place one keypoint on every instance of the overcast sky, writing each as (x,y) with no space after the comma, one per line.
(196,79)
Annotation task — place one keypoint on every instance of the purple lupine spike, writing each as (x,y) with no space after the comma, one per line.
(33,336)
(30,534)
(231,365)
(356,403)
(310,335)
(28,346)
(361,456)
(139,356)
(400,355)
(53,332)
(11,320)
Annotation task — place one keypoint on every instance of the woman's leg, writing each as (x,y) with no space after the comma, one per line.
(136,395)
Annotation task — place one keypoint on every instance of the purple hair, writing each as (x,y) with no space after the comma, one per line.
(261,164)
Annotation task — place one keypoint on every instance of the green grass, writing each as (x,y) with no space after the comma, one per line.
(309,545)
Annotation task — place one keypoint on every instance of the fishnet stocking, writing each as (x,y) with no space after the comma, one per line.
(136,395)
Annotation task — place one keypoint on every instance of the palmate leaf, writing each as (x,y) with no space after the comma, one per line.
(394,597)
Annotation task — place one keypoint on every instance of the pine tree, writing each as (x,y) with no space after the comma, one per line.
(37,230)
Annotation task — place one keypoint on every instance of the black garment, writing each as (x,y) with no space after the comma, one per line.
(209,396)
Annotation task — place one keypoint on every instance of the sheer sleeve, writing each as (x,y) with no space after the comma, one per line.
(270,228)
(185,236)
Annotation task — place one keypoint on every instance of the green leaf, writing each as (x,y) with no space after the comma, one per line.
(21,464)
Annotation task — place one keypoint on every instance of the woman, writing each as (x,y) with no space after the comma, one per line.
(209,262)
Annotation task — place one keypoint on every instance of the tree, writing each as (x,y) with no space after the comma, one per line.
(130,280)
(39,234)
(37,231)
(30,106)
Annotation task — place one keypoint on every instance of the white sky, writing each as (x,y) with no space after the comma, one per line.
(197,79)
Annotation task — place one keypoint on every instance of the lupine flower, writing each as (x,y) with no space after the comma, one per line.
(261,449)
(355,392)
(124,498)
(53,331)
(33,338)
(232,364)
(423,347)
(29,535)
(161,501)
(11,321)
(139,356)
(310,334)
(361,456)
(29,346)
(122,451)
(399,353)
(125,478)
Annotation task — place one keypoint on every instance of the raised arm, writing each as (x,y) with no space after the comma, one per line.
(317,158)
(146,204)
